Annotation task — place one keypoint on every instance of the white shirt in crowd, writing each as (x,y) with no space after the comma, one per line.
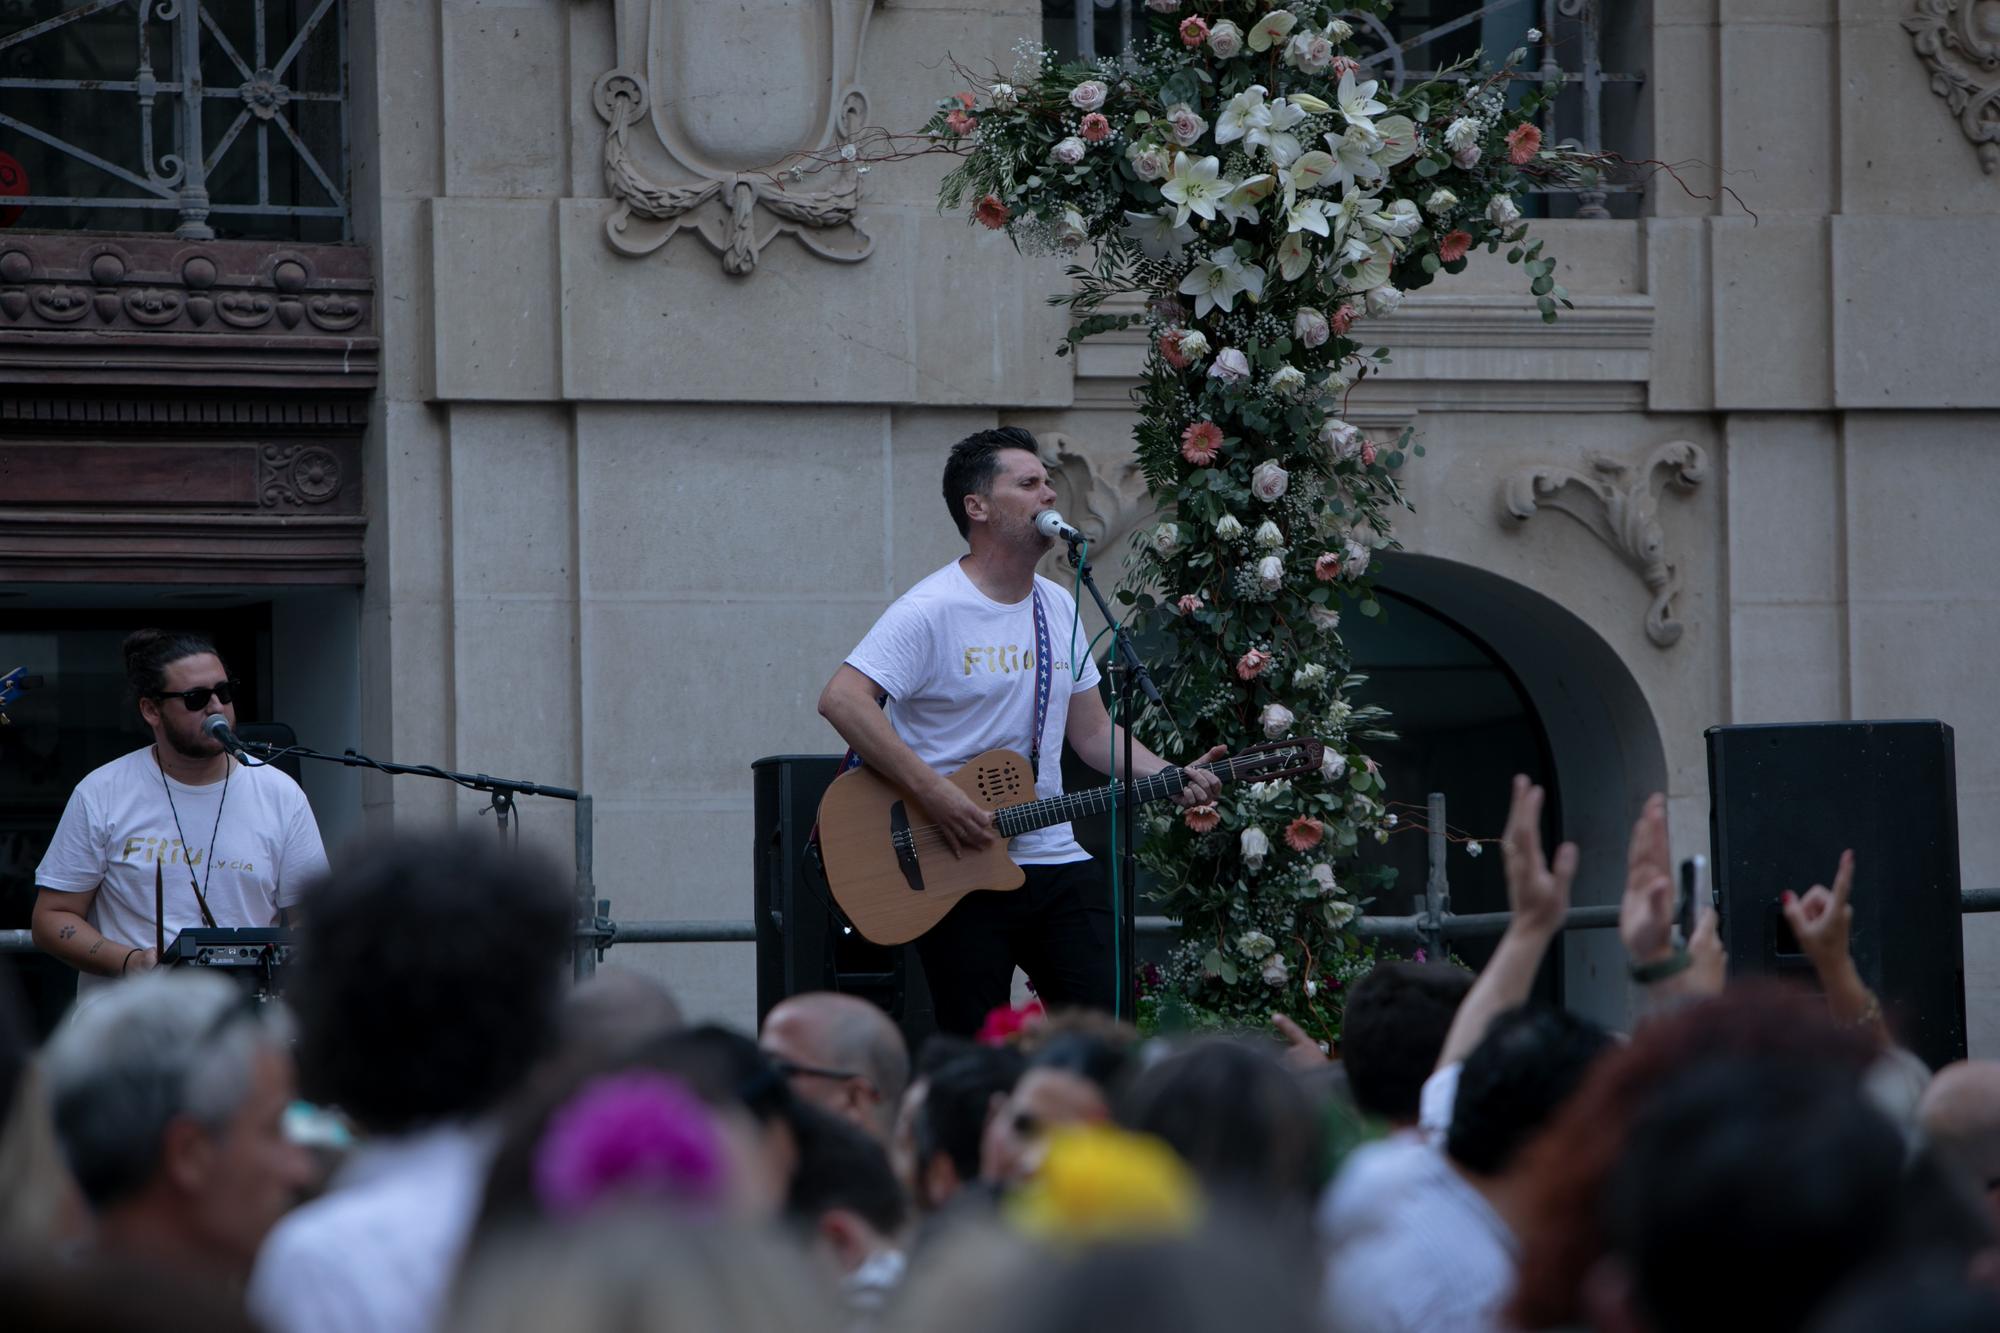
(376,1253)
(120,824)
(1435,1258)
(959,669)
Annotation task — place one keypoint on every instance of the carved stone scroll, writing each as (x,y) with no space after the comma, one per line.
(1102,491)
(728,146)
(1960,41)
(1615,499)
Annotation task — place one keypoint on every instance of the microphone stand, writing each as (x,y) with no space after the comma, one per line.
(502,790)
(1127,674)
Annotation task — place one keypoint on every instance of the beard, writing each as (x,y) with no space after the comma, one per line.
(192,746)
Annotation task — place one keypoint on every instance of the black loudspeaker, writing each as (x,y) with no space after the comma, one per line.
(1784,800)
(802,942)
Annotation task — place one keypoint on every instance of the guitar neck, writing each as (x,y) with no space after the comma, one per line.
(1014,820)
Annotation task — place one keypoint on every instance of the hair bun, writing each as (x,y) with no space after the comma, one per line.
(139,641)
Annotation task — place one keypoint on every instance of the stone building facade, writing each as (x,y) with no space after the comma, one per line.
(656,435)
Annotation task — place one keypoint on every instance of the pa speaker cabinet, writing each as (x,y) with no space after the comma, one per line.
(1786,799)
(802,943)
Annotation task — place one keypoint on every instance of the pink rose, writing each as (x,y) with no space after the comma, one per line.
(1069,151)
(1088,95)
(1269,480)
(1194,31)
(1184,124)
(1327,568)
(1189,603)
(1466,158)
(1095,128)
(1251,665)
(1201,442)
(1226,40)
(1230,366)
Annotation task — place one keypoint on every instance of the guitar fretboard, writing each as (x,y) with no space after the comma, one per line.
(1015,820)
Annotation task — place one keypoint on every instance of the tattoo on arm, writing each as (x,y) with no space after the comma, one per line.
(95,947)
(66,932)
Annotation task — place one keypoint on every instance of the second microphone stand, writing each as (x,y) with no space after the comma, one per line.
(1128,674)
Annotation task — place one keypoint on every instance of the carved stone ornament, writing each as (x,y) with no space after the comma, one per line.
(696,141)
(1960,41)
(297,474)
(1616,500)
(1105,497)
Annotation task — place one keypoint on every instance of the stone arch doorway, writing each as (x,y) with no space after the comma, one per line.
(1485,678)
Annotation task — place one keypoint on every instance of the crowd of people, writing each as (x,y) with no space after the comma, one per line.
(436,1131)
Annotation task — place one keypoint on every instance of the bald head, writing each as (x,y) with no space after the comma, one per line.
(1960,1115)
(614,1010)
(843,1054)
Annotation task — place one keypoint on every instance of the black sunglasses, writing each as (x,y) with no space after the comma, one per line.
(196,699)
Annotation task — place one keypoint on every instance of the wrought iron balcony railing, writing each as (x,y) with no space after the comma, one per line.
(136,115)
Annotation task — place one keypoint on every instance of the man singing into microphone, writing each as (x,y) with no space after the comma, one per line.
(231,843)
(981,656)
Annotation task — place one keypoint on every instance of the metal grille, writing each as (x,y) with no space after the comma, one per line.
(145,115)
(1597,109)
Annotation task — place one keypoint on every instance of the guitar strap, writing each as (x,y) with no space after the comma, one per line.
(1044,682)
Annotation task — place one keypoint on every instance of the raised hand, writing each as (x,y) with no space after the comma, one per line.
(1823,919)
(1646,915)
(1537,889)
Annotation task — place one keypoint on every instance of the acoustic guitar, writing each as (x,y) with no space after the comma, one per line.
(894,875)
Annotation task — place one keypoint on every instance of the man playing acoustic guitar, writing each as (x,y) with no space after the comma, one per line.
(976,657)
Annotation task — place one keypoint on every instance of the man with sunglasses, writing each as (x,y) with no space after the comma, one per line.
(221,842)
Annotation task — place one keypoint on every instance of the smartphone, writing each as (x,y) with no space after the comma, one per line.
(1694,895)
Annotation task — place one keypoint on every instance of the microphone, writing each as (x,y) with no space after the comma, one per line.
(217,729)
(1050,524)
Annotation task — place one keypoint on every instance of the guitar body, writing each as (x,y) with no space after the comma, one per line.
(895,882)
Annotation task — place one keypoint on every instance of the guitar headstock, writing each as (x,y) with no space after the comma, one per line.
(11,686)
(1277,759)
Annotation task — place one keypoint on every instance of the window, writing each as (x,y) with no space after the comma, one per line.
(220,119)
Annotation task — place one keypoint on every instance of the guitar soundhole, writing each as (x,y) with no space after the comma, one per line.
(999,784)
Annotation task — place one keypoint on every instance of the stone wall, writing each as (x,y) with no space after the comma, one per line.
(630,509)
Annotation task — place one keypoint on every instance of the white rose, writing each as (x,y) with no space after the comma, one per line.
(1442,201)
(1269,480)
(1465,159)
(1333,765)
(1070,233)
(1166,539)
(1310,51)
(1354,563)
(1184,124)
(1070,151)
(1309,326)
(1255,944)
(1230,366)
(1275,971)
(1343,439)
(1271,573)
(1503,211)
(1461,134)
(1149,161)
(1193,345)
(1288,381)
(1309,675)
(1383,300)
(1088,95)
(1339,914)
(1268,535)
(1004,97)
(1255,847)
(1322,876)
(1324,619)
(1276,719)
(1225,39)
(1339,30)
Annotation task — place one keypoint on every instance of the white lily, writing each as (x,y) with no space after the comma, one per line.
(1261,125)
(1157,234)
(1357,100)
(1241,205)
(1215,281)
(1309,215)
(1400,218)
(1271,29)
(1354,165)
(1242,113)
(1311,104)
(1354,208)
(1196,187)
